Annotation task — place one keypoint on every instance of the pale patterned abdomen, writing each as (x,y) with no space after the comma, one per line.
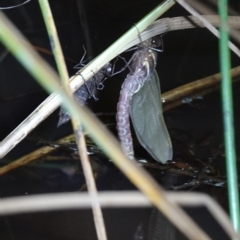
(142,66)
(129,87)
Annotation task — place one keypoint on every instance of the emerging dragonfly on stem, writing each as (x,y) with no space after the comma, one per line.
(141,98)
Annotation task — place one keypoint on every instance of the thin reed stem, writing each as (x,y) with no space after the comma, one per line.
(77,127)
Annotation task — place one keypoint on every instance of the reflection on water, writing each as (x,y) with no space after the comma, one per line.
(139,232)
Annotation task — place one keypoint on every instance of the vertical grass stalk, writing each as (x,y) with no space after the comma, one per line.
(227,106)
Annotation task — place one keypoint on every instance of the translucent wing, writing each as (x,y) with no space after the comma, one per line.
(148,122)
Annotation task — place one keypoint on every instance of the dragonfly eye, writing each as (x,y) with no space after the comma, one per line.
(156,41)
(108,68)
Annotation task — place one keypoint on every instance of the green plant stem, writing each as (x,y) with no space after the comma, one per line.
(227,106)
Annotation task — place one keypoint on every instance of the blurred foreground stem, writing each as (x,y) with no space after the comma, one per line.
(81,144)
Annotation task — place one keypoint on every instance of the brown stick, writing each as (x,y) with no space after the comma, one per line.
(173,98)
(41,152)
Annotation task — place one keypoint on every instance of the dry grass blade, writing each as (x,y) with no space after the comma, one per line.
(207,24)
(205,10)
(62,201)
(164,25)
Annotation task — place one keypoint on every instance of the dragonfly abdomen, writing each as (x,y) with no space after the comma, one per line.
(142,66)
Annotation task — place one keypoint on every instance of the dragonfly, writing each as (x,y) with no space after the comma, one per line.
(87,91)
(140,98)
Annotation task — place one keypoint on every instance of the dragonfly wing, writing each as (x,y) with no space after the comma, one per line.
(147,118)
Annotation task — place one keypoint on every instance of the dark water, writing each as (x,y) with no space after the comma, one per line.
(133,223)
(120,223)
(71,225)
(66,176)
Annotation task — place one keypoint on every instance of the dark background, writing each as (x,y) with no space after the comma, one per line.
(188,55)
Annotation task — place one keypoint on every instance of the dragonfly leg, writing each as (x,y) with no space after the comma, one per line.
(82,62)
(126,66)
